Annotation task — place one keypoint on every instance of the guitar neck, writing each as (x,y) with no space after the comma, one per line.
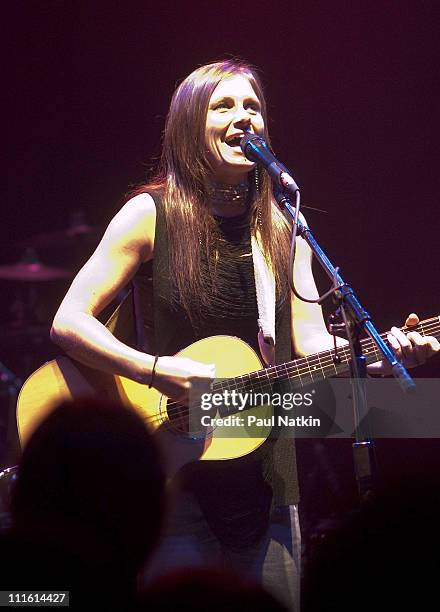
(319,366)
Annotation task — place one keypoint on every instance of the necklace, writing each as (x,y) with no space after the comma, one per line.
(228,194)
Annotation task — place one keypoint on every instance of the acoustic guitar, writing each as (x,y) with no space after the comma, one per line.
(238,368)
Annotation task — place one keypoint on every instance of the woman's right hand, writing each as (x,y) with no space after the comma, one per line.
(180,377)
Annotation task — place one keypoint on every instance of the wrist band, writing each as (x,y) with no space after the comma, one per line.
(153,371)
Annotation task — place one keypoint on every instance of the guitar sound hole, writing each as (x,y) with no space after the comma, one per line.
(186,421)
(178,416)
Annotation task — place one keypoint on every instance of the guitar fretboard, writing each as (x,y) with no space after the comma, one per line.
(319,366)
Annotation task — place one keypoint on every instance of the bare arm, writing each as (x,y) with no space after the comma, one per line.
(127,242)
(310,334)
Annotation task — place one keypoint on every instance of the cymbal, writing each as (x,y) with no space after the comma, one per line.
(34,271)
(83,233)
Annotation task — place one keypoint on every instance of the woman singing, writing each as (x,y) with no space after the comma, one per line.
(205,247)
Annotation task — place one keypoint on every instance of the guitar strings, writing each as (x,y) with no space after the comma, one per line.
(324,361)
(180,412)
(263,381)
(261,376)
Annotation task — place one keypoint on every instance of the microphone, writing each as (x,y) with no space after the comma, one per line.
(256,150)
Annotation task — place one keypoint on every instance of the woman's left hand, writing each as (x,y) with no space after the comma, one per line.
(412,349)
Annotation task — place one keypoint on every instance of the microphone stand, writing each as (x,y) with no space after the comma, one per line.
(356,320)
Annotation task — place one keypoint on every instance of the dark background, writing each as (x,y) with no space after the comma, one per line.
(353,102)
(352,89)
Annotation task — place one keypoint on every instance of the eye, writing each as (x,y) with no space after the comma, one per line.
(253,105)
(221,105)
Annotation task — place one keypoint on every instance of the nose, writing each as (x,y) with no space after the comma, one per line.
(242,118)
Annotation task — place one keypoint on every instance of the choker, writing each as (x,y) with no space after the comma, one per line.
(228,194)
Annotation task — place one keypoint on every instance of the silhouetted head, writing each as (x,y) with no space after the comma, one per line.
(92,468)
(214,589)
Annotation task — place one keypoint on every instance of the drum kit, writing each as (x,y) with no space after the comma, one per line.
(32,291)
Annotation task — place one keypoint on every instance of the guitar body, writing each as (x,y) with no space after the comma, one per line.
(64,379)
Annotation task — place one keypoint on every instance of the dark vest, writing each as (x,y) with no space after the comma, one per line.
(159,330)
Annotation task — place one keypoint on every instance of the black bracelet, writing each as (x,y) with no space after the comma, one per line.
(153,371)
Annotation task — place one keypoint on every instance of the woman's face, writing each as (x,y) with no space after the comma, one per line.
(233,109)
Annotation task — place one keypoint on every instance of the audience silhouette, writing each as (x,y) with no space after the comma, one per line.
(87,506)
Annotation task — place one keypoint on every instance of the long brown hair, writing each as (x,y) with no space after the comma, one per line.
(183,175)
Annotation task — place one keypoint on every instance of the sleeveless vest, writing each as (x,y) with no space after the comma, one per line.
(158,328)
